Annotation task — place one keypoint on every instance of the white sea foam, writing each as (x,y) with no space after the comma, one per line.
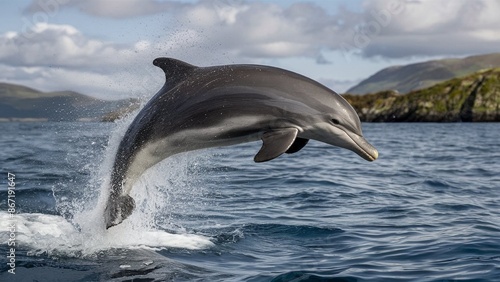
(52,234)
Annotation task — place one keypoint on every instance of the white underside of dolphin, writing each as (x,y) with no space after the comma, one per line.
(203,107)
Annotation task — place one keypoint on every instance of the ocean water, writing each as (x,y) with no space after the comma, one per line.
(427,210)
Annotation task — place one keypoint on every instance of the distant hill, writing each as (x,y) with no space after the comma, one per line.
(422,75)
(475,97)
(23,103)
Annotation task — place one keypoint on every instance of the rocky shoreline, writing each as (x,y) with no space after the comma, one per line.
(473,98)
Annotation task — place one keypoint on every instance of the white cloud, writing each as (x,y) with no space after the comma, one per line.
(437,27)
(55,56)
(59,57)
(391,29)
(107,8)
(59,46)
(253,29)
(113,85)
(245,28)
(264,30)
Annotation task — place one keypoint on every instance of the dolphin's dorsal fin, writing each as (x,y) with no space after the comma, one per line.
(297,145)
(175,70)
(275,143)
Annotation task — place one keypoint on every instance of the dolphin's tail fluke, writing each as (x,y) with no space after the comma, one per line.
(118,209)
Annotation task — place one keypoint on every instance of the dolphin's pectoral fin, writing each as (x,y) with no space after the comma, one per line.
(297,145)
(275,143)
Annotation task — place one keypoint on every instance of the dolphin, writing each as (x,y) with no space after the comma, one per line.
(203,107)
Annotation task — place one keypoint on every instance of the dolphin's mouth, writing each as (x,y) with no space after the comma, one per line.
(363,148)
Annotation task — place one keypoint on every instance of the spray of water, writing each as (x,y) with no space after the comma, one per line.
(80,230)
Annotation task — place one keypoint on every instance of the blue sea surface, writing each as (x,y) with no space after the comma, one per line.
(427,210)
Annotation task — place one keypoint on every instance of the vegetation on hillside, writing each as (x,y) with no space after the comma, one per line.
(474,97)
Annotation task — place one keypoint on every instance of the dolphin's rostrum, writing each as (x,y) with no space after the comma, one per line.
(202,107)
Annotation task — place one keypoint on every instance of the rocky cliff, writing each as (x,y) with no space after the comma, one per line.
(473,98)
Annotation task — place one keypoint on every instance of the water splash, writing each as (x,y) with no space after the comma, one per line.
(79,231)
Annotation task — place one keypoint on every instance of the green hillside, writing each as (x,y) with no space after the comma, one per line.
(404,79)
(475,97)
(23,103)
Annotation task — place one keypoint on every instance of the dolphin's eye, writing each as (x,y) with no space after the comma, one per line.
(335,121)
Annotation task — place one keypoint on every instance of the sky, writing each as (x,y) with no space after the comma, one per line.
(105,48)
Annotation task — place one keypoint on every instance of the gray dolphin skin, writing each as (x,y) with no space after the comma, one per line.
(203,107)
